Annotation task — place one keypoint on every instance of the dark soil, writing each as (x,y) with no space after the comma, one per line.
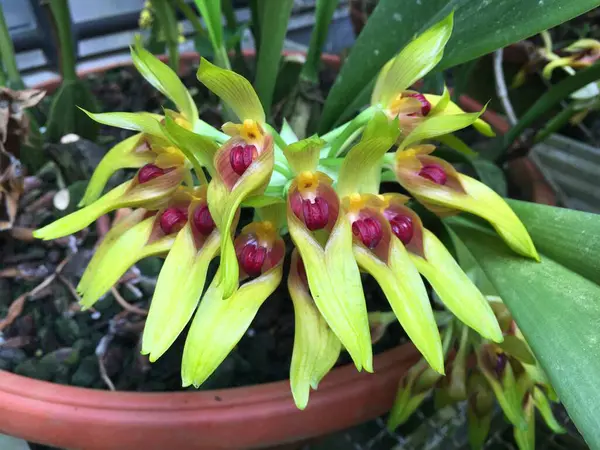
(51,339)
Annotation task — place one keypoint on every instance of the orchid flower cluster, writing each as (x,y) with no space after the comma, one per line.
(481,371)
(324,191)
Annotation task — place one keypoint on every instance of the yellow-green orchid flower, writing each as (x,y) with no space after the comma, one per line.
(413,109)
(243,165)
(444,191)
(220,322)
(141,234)
(454,288)
(182,277)
(583,53)
(323,236)
(151,188)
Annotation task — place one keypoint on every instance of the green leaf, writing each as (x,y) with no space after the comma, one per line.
(558,312)
(323,16)
(479,27)
(274,23)
(233,89)
(551,98)
(569,237)
(163,78)
(211,13)
(64,116)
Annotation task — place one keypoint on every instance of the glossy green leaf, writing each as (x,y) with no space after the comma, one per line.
(163,78)
(480,27)
(274,23)
(233,89)
(139,121)
(569,237)
(558,312)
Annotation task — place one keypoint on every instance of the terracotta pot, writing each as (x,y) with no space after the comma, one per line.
(240,418)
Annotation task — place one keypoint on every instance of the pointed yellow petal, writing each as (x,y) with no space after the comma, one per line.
(487,204)
(163,78)
(138,121)
(404,289)
(121,156)
(316,348)
(178,290)
(220,323)
(233,89)
(113,234)
(82,218)
(455,289)
(335,286)
(120,254)
(129,194)
(452,109)
(414,61)
(304,155)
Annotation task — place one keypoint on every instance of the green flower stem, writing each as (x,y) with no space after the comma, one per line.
(62,23)
(8,56)
(348,132)
(193,18)
(556,123)
(222,58)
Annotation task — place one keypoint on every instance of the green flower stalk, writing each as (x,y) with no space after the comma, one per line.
(192,180)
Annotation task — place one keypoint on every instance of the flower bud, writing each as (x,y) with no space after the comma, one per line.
(434,172)
(369,231)
(149,172)
(203,220)
(402,227)
(251,258)
(173,219)
(425,104)
(241,156)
